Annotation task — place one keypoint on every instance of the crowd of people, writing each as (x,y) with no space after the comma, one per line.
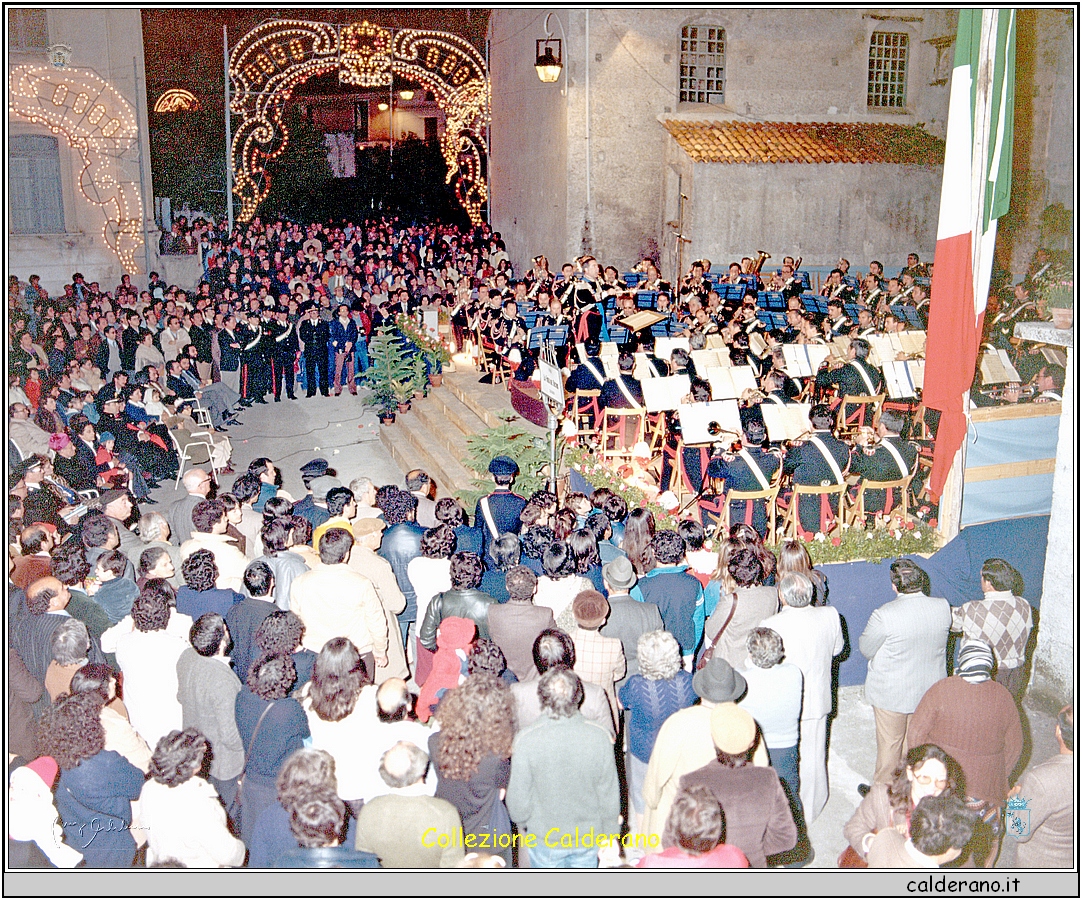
(367,675)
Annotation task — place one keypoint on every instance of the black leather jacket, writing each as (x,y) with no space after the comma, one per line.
(467,604)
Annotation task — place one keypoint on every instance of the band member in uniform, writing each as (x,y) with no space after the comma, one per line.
(623,391)
(820,460)
(887,458)
(286,350)
(587,302)
(314,336)
(588,375)
(747,468)
(498,513)
(836,289)
(856,377)
(539,277)
(840,323)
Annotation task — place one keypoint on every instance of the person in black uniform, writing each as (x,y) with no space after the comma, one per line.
(624,391)
(820,460)
(750,468)
(856,377)
(498,513)
(286,348)
(253,363)
(314,335)
(588,375)
(587,302)
(891,459)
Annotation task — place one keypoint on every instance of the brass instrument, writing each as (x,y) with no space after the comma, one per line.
(1025,391)
(757,266)
(796,265)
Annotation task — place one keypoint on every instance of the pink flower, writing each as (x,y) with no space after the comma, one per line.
(909,526)
(837,541)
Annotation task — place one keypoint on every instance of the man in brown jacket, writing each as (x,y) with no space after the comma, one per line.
(515,625)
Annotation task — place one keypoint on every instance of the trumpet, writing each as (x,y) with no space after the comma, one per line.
(1024,391)
(757,266)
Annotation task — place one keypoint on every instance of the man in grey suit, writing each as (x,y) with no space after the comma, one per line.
(179,515)
(554,649)
(515,625)
(629,619)
(905,642)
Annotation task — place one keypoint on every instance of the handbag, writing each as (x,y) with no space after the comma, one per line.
(237,803)
(708,653)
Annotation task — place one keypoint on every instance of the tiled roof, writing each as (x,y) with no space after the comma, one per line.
(806,142)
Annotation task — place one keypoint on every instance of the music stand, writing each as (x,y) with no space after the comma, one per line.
(556,335)
(646,299)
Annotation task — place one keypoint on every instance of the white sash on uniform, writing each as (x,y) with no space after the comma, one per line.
(829,457)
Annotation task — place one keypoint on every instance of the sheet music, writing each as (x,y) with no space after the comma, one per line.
(664,346)
(756,343)
(804,360)
(1055,356)
(730,382)
(786,423)
(996,368)
(695,420)
(662,394)
(912,342)
(839,348)
(644,367)
(899,379)
(716,342)
(710,359)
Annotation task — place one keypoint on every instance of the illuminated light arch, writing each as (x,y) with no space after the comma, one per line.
(176,100)
(275,57)
(99,124)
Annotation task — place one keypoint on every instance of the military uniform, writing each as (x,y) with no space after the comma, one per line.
(806,463)
(858,377)
(504,507)
(286,348)
(738,475)
(880,465)
(254,365)
(589,310)
(614,398)
(315,336)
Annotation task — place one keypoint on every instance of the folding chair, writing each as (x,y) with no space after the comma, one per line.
(621,430)
(501,370)
(855,506)
(586,408)
(848,422)
(790,526)
(200,414)
(769,494)
(185,457)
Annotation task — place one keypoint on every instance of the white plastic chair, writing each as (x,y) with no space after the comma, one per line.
(184,456)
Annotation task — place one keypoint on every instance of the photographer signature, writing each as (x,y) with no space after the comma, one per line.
(87,831)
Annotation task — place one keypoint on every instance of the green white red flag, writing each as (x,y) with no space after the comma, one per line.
(976,192)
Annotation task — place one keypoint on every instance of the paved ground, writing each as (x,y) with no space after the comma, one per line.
(346,433)
(340,429)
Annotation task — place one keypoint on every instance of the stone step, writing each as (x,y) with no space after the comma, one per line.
(427,452)
(443,430)
(456,412)
(486,401)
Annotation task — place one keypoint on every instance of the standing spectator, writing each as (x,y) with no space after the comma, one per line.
(148,659)
(401,543)
(1049,787)
(677,593)
(70,651)
(272,725)
(905,642)
(97,786)
(342,337)
(741,607)
(629,619)
(364,558)
(976,721)
(181,813)
(813,637)
(464,600)
(563,777)
(207,690)
(940,829)
(471,754)
(245,616)
(697,828)
(598,660)
(1002,620)
(209,521)
(199,595)
(394,826)
(559,585)
(650,696)
(278,555)
(759,820)
(515,625)
(179,516)
(318,824)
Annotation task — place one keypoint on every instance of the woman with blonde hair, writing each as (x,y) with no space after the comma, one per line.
(793,558)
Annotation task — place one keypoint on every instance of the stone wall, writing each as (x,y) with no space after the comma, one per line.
(109,41)
(781,65)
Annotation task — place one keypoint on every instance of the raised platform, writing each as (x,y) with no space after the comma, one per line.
(432,435)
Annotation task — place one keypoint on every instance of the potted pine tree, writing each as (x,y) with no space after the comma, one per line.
(392,375)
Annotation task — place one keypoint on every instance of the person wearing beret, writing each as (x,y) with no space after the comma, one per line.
(498,513)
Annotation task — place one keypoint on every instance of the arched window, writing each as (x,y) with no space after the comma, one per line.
(888,59)
(702,64)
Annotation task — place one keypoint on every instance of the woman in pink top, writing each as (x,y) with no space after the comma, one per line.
(697,825)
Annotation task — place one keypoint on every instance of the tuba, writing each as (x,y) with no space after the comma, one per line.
(758,265)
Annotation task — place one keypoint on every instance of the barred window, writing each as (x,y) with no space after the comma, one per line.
(888,57)
(702,64)
(27,29)
(35,192)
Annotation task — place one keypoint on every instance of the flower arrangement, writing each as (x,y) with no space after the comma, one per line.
(599,475)
(435,353)
(887,538)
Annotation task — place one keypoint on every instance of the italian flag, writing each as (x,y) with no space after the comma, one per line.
(976,192)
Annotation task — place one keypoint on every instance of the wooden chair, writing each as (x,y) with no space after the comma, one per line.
(855,506)
(769,494)
(621,430)
(848,423)
(586,408)
(680,482)
(790,526)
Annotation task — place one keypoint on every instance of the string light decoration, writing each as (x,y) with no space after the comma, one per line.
(275,57)
(176,100)
(99,124)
